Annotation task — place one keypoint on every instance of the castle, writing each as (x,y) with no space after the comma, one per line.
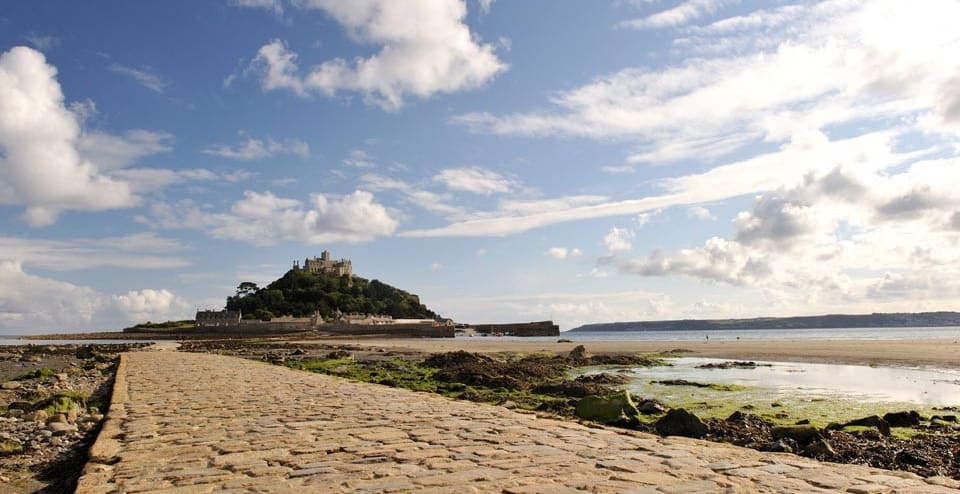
(324,264)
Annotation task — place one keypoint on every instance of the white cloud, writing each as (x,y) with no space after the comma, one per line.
(485,5)
(110,152)
(834,63)
(254,149)
(41,42)
(42,168)
(700,213)
(683,13)
(563,252)
(435,266)
(618,240)
(360,159)
(136,251)
(30,303)
(145,76)
(274,6)
(425,199)
(848,235)
(265,219)
(474,179)
(426,49)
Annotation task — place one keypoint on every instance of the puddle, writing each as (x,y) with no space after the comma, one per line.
(820,392)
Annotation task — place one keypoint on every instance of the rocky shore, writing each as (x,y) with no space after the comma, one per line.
(52,401)
(541,382)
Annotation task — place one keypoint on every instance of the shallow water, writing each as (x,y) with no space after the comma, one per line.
(820,392)
(753,335)
(15,341)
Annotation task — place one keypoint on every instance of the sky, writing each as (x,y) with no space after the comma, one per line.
(580,161)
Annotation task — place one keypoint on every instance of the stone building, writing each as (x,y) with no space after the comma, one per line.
(218,318)
(324,264)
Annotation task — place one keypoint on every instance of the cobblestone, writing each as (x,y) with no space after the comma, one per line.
(196,423)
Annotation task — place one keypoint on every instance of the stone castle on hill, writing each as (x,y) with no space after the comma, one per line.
(324,264)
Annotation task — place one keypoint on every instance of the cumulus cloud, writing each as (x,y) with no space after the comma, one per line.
(563,252)
(254,149)
(847,234)
(474,179)
(618,240)
(32,303)
(42,168)
(426,48)
(700,213)
(265,219)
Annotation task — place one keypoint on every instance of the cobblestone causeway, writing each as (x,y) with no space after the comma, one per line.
(197,423)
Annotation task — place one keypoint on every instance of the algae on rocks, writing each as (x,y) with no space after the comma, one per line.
(617,407)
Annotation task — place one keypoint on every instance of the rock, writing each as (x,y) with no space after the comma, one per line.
(610,408)
(871,421)
(802,434)
(944,418)
(38,416)
(578,354)
(15,413)
(564,340)
(61,376)
(650,407)
(785,445)
(902,419)
(26,406)
(61,428)
(819,449)
(679,422)
(72,414)
(58,418)
(84,353)
(509,404)
(10,385)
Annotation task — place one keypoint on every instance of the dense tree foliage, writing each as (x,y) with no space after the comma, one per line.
(299,293)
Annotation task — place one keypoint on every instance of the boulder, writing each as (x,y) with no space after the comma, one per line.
(679,422)
(944,418)
(610,408)
(10,385)
(819,449)
(61,428)
(802,434)
(650,407)
(871,421)
(578,354)
(903,419)
(785,445)
(84,352)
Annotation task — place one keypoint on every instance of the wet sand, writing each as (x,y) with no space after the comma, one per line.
(906,353)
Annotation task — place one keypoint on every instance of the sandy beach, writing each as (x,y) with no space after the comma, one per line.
(904,353)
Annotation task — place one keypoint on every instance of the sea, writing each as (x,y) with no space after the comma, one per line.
(924,333)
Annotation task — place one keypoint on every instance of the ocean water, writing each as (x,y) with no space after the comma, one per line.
(944,333)
(6,341)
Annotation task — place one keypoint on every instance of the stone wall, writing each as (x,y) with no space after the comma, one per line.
(392,330)
(541,328)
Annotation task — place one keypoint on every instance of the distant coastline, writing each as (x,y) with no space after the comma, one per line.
(831,321)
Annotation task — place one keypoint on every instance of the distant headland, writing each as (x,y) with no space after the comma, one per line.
(831,321)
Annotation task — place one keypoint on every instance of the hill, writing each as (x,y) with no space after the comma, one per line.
(898,320)
(299,293)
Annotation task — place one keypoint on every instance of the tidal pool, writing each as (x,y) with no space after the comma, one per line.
(819,392)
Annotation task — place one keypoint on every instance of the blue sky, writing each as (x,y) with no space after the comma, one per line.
(505,160)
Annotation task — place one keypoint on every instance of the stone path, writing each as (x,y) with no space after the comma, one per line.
(197,423)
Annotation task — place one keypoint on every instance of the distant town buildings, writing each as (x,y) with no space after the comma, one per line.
(324,264)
